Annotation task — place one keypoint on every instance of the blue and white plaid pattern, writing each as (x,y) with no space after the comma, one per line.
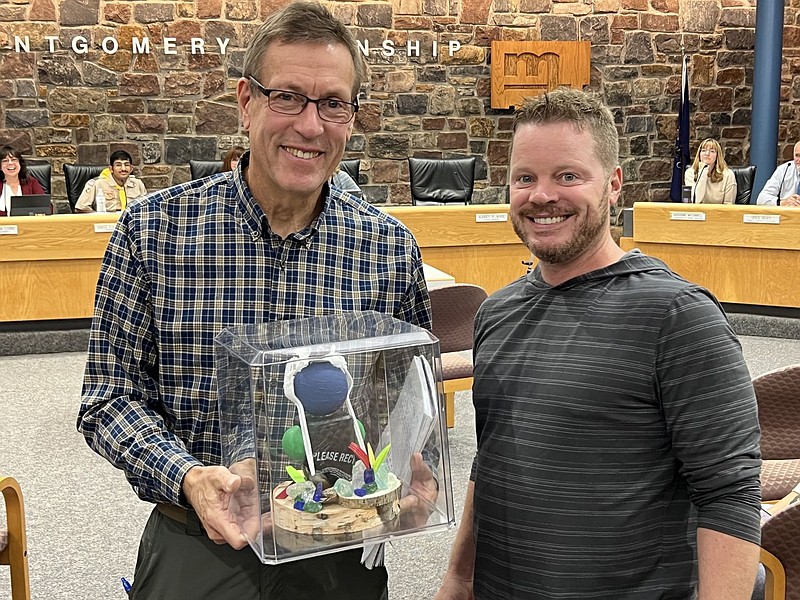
(189,261)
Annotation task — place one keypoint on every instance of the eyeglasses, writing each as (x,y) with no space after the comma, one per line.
(10,160)
(285,102)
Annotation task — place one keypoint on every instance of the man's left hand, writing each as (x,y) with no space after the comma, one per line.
(417,505)
(793,200)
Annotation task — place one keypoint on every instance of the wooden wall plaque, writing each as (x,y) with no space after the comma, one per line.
(527,69)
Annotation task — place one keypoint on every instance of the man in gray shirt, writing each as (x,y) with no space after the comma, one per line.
(618,443)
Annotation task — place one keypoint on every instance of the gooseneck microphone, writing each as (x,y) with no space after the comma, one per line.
(694,189)
(780,187)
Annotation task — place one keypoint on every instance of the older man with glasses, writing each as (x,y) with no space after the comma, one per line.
(270,240)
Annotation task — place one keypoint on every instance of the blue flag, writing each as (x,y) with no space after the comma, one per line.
(681,159)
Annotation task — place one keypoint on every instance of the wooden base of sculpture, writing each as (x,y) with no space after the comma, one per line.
(349,515)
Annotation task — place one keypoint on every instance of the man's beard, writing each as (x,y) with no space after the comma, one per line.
(590,231)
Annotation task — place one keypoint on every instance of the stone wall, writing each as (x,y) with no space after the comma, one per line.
(164,108)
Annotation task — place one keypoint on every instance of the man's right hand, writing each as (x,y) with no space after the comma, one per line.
(793,200)
(209,491)
(455,588)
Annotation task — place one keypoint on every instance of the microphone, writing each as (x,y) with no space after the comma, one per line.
(780,187)
(694,189)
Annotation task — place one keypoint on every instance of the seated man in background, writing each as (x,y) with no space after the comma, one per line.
(782,188)
(117,184)
(344,182)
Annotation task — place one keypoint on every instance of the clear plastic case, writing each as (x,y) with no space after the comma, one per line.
(336,426)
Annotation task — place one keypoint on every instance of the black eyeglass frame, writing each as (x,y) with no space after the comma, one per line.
(267,91)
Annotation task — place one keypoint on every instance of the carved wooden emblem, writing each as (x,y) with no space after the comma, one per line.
(526,69)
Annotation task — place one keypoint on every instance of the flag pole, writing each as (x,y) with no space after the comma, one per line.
(681,157)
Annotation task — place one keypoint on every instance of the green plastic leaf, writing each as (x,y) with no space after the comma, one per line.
(381,456)
(297,476)
(371,456)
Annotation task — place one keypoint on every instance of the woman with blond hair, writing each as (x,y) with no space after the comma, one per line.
(711,180)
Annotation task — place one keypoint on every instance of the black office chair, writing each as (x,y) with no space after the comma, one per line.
(352,167)
(745,176)
(75,177)
(204,168)
(437,181)
(42,173)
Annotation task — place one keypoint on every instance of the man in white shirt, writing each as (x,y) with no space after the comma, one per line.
(783,188)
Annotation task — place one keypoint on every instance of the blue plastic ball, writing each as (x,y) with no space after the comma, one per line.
(321,387)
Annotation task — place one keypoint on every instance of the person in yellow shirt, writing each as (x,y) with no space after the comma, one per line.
(118,186)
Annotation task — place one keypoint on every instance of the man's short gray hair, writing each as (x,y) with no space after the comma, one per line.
(303,22)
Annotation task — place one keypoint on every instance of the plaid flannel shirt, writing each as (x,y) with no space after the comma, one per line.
(189,261)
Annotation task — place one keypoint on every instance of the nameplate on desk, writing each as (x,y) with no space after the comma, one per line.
(104,227)
(768,219)
(9,230)
(491,218)
(678,215)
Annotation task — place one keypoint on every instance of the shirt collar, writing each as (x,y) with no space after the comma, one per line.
(250,209)
(256,219)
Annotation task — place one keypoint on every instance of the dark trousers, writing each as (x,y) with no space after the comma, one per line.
(177,561)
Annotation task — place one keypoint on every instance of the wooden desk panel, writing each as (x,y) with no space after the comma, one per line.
(488,254)
(739,275)
(723,225)
(490,267)
(446,226)
(742,263)
(48,289)
(56,237)
(49,268)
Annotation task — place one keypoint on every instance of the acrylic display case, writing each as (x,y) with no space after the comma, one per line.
(336,426)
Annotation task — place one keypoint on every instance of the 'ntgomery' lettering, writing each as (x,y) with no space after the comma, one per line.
(110,45)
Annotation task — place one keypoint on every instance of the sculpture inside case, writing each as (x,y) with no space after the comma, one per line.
(332,422)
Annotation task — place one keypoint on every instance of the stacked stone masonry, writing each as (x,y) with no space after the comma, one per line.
(71,105)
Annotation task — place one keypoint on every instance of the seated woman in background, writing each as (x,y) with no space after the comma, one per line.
(711,180)
(231,159)
(14,178)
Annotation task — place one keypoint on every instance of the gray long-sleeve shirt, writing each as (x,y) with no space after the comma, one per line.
(615,415)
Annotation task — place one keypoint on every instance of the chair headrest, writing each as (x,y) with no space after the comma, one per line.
(745,177)
(75,178)
(204,168)
(442,180)
(42,173)
(453,308)
(352,167)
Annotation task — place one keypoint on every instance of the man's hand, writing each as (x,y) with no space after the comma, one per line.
(417,505)
(209,491)
(793,200)
(245,503)
(455,588)
(458,580)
